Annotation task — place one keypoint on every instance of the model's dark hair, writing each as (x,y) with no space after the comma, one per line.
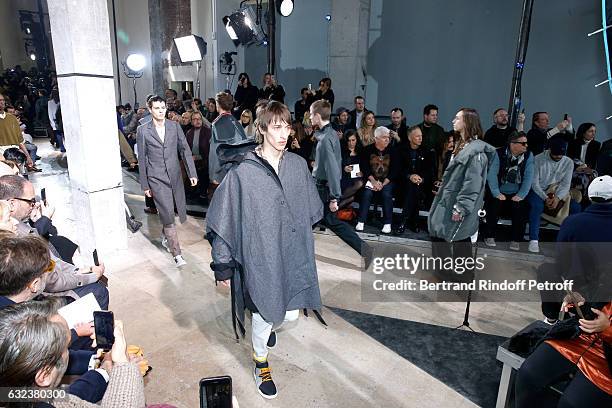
(582,129)
(155,98)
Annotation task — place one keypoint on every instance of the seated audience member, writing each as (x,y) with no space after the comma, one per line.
(245,96)
(540,132)
(301,142)
(443,158)
(16,156)
(185,121)
(433,134)
(271,90)
(198,138)
(211,110)
(340,123)
(351,156)
(324,92)
(378,165)
(301,106)
(604,159)
(509,179)
(415,170)
(356,115)
(246,120)
(36,338)
(551,183)
(498,134)
(366,129)
(584,149)
(65,279)
(398,128)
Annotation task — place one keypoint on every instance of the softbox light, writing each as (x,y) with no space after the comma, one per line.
(190,48)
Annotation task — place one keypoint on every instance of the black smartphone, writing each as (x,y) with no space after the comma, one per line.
(216,392)
(43,195)
(104,325)
(565,117)
(95,257)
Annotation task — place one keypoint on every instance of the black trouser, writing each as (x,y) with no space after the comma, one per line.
(457,249)
(546,366)
(343,230)
(412,196)
(519,211)
(149,202)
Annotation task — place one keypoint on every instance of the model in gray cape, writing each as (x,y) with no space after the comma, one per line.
(463,186)
(260,227)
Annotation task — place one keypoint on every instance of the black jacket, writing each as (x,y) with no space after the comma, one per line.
(421,163)
(575,146)
(276,93)
(380,164)
(246,98)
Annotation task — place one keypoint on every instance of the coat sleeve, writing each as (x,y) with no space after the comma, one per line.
(66,276)
(473,184)
(316,206)
(332,168)
(185,152)
(142,158)
(222,264)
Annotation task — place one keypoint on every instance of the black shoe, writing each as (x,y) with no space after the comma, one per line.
(400,229)
(263,380)
(272,340)
(149,210)
(133,224)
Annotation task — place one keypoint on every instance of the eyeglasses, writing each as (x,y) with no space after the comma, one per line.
(31,201)
(521,143)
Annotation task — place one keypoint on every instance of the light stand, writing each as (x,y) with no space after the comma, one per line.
(133,67)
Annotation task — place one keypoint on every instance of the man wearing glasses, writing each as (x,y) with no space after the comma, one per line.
(509,180)
(10,132)
(65,278)
(497,135)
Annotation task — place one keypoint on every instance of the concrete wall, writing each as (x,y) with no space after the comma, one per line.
(461,53)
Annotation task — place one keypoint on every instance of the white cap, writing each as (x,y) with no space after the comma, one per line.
(601,187)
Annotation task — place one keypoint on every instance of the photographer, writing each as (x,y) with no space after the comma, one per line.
(245,95)
(271,90)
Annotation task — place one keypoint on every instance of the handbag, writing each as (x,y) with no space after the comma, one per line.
(346,214)
(558,214)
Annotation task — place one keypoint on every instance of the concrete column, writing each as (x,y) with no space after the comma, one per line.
(348,49)
(83,59)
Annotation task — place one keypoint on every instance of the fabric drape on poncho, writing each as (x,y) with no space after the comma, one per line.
(265,221)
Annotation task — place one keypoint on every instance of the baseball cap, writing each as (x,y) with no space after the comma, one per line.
(557,146)
(601,188)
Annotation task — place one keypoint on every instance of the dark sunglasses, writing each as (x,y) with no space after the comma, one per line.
(521,143)
(31,201)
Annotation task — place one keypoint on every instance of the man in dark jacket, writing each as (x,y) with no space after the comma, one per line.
(260,226)
(416,171)
(357,113)
(327,172)
(271,90)
(540,132)
(198,138)
(497,135)
(433,134)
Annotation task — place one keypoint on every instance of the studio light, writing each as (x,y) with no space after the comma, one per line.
(191,48)
(33,57)
(135,62)
(243,28)
(286,8)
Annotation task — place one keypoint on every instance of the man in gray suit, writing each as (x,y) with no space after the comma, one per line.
(160,142)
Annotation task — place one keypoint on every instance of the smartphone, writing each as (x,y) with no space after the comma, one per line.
(565,117)
(310,87)
(43,195)
(216,392)
(95,257)
(104,325)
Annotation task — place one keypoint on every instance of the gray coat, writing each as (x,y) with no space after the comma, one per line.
(463,186)
(160,170)
(263,222)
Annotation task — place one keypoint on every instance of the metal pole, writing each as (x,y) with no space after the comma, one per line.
(516,102)
(117,55)
(197,92)
(43,32)
(135,97)
(271,36)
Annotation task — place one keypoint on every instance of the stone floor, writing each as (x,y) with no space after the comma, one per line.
(182,320)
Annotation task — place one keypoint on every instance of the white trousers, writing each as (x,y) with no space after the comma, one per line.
(260,332)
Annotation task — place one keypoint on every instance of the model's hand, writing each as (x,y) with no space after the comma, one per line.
(516,198)
(194,181)
(225,283)
(456,216)
(601,323)
(148,193)
(333,206)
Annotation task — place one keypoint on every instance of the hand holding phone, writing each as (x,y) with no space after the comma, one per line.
(104,326)
(43,195)
(95,258)
(216,392)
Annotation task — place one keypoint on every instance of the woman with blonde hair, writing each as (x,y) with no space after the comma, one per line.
(246,120)
(366,129)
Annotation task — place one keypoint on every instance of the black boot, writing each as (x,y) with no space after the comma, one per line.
(132,223)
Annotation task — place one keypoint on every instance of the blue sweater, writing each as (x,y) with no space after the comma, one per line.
(510,188)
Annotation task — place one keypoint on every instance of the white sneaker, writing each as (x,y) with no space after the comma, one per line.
(534,246)
(515,246)
(490,242)
(359,226)
(164,243)
(179,261)
(386,229)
